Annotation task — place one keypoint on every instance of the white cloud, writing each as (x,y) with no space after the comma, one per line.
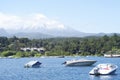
(9,21)
(29,22)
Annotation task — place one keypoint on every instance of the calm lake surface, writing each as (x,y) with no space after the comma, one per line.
(52,69)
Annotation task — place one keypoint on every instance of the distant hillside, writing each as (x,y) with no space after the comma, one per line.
(46,33)
(32,35)
(3,32)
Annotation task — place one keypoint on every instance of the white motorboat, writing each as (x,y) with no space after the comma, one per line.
(80,62)
(32,64)
(104,69)
(111,55)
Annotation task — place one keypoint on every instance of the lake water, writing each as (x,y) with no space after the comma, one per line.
(52,69)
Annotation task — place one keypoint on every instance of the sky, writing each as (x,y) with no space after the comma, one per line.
(90,16)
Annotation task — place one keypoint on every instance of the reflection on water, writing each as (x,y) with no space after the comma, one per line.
(101,77)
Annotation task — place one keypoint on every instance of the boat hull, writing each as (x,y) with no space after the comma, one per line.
(104,69)
(84,63)
(101,73)
(32,64)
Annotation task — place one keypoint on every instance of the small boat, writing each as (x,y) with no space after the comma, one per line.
(112,55)
(103,69)
(32,64)
(80,62)
(61,56)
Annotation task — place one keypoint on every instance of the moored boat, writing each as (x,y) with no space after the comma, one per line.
(80,62)
(32,64)
(61,56)
(111,55)
(104,69)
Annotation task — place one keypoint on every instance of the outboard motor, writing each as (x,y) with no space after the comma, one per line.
(96,71)
(64,62)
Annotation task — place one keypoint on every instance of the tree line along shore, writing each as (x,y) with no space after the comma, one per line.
(85,46)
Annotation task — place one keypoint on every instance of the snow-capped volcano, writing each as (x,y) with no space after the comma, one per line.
(30,23)
(36,24)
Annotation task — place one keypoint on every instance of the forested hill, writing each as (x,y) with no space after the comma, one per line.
(61,46)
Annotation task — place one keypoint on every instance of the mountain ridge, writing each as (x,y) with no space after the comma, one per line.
(48,33)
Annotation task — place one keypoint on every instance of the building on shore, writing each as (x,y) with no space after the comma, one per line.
(41,49)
